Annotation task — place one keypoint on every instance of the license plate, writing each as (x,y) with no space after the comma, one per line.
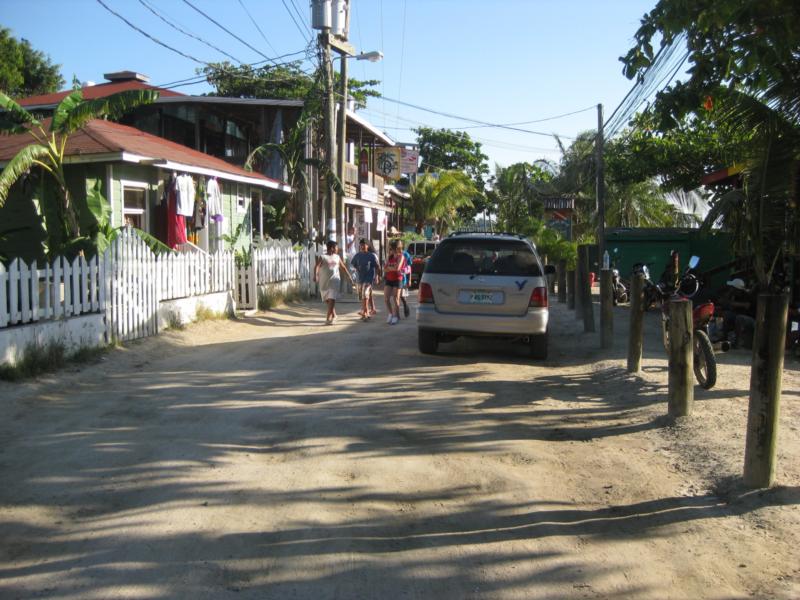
(481,297)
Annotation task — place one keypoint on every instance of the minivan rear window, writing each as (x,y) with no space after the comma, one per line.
(484,257)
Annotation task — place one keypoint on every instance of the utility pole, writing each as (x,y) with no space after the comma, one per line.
(601,184)
(329,212)
(342,130)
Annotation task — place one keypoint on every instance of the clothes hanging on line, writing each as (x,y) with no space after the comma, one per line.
(214,200)
(176,223)
(185,195)
(199,218)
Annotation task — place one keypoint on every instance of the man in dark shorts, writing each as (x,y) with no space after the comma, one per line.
(367,272)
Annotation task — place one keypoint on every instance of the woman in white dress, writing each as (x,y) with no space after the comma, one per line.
(327,272)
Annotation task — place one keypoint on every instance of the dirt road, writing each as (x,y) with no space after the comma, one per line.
(274,457)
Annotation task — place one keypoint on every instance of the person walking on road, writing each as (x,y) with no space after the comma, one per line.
(406,278)
(327,272)
(367,270)
(372,309)
(392,280)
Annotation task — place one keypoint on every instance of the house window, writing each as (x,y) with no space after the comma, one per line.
(257,212)
(241,199)
(134,204)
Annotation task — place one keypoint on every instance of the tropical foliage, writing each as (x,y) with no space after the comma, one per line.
(59,210)
(515,196)
(285,218)
(745,58)
(438,197)
(25,71)
(447,150)
(283,81)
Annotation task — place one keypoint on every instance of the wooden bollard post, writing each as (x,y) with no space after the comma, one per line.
(571,289)
(637,324)
(765,390)
(578,284)
(681,359)
(585,290)
(606,310)
(561,270)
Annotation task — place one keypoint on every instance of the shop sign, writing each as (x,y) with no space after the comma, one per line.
(368,192)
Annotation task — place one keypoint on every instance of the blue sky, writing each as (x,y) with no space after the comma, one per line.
(498,61)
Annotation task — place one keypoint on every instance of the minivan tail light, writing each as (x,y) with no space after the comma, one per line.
(538,297)
(425,293)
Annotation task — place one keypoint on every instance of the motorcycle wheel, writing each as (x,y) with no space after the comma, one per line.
(705,362)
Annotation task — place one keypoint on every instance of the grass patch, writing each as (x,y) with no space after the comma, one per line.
(273,297)
(174,321)
(37,360)
(204,313)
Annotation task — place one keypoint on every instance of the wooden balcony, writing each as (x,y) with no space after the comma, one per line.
(352,189)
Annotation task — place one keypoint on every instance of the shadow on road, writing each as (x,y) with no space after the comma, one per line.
(107,455)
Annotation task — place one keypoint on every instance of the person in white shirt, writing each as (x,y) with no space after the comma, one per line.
(327,272)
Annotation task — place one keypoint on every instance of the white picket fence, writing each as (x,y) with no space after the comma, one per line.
(61,289)
(272,262)
(129,281)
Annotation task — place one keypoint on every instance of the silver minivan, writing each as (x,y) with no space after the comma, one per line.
(483,284)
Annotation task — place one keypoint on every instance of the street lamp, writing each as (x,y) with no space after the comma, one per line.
(372,56)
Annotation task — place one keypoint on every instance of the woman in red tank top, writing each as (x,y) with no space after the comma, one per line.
(393,279)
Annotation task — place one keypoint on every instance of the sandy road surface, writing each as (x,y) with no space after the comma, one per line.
(275,457)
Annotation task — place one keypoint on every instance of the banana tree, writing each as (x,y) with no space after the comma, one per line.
(292,152)
(47,151)
(100,234)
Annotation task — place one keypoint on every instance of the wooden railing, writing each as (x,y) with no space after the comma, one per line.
(351,187)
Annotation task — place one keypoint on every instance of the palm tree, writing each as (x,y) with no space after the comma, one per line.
(47,151)
(438,196)
(764,214)
(516,195)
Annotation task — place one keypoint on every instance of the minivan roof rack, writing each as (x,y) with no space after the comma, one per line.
(478,232)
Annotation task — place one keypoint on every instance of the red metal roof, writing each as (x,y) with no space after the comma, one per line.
(100,137)
(92,92)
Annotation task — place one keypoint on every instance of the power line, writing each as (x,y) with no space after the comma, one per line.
(383,62)
(201,78)
(402,55)
(484,141)
(303,20)
(226,30)
(252,20)
(561,116)
(147,35)
(664,63)
(184,32)
(296,24)
(360,41)
(484,123)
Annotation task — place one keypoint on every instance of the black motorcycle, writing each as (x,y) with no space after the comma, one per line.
(653,295)
(620,290)
(705,360)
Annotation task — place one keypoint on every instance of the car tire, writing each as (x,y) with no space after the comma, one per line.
(538,346)
(427,341)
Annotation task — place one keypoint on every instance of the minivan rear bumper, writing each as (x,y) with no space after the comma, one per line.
(532,323)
